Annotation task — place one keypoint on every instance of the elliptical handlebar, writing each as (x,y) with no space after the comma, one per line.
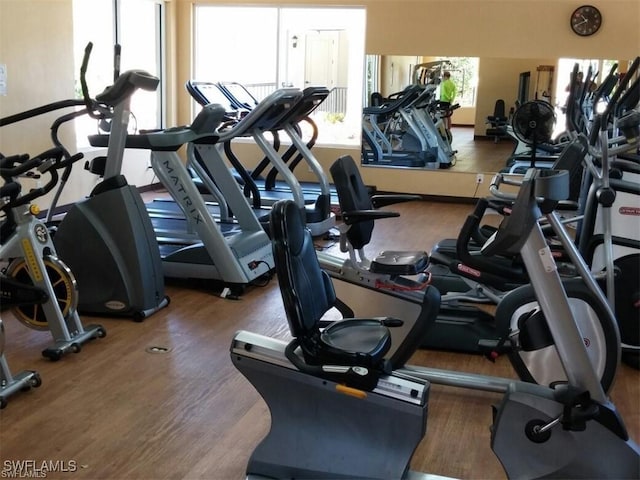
(605,88)
(89,103)
(123,85)
(618,92)
(93,108)
(34,112)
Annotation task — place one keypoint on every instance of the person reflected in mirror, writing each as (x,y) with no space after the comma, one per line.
(447,95)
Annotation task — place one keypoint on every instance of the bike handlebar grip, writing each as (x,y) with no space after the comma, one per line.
(11,190)
(25,164)
(68,161)
(496,181)
(11,160)
(55,154)
(41,191)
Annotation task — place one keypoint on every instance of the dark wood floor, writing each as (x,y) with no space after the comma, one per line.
(479,155)
(118,411)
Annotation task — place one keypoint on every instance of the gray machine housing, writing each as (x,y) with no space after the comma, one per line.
(320,429)
(109,244)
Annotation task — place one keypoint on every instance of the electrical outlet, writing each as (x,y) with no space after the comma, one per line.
(479,178)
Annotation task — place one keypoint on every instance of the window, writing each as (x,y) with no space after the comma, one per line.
(265,48)
(238,44)
(137,25)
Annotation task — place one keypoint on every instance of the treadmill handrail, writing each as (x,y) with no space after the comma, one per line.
(312,97)
(203,129)
(408,95)
(265,115)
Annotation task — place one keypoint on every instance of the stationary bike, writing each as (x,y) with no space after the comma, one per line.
(390,284)
(25,244)
(14,293)
(338,399)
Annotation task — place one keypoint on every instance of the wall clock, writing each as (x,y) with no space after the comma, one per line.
(586,20)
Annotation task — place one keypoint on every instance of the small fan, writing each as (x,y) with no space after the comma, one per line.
(533,123)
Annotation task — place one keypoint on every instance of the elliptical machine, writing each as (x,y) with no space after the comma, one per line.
(338,398)
(117,263)
(609,237)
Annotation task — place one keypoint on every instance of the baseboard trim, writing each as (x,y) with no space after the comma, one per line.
(437,198)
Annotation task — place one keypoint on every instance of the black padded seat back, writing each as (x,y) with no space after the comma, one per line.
(307,291)
(307,294)
(572,160)
(498,112)
(352,196)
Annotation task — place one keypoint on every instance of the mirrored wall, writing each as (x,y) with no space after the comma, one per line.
(477,92)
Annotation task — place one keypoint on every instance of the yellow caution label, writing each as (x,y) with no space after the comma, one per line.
(31,260)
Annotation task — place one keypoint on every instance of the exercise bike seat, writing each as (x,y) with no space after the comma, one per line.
(359,212)
(397,262)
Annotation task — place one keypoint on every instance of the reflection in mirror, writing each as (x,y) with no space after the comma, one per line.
(411,103)
(506,79)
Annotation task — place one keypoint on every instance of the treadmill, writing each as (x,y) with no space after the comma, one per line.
(387,142)
(197,246)
(164,208)
(264,182)
(268,116)
(241,98)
